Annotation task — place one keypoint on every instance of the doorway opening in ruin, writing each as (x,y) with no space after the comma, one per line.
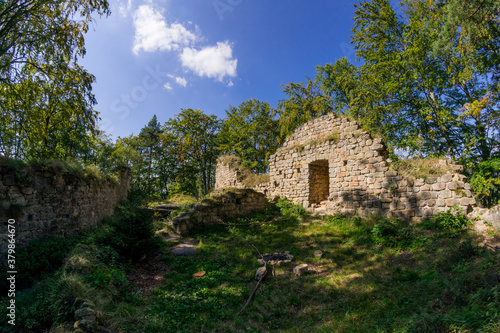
(319,182)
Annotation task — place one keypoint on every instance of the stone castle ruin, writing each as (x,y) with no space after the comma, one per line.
(330,164)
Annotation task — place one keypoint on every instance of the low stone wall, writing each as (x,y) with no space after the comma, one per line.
(52,202)
(491,215)
(223,204)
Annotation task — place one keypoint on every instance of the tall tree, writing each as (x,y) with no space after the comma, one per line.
(150,139)
(43,90)
(44,33)
(251,132)
(305,102)
(420,101)
(196,156)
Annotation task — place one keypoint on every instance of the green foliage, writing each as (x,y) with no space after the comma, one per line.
(452,219)
(150,139)
(88,273)
(130,231)
(44,91)
(421,102)
(305,102)
(71,170)
(485,182)
(193,134)
(452,281)
(250,131)
(393,233)
(40,258)
(289,209)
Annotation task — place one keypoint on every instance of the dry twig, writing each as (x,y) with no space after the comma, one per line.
(258,283)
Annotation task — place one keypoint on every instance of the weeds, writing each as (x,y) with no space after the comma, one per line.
(375,275)
(452,219)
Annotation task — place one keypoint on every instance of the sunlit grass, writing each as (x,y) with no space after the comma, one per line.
(440,281)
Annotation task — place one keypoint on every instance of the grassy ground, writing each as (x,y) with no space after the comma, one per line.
(374,275)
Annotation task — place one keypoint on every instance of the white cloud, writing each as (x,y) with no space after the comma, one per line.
(152,33)
(211,61)
(181,81)
(230,84)
(125,8)
(168,86)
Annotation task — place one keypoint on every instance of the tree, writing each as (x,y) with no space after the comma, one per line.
(471,26)
(304,103)
(44,33)
(196,152)
(251,132)
(43,91)
(37,112)
(419,101)
(150,138)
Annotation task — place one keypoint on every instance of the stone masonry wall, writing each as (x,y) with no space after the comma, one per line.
(50,202)
(221,205)
(360,178)
(227,176)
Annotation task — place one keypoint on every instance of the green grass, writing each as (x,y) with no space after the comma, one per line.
(408,278)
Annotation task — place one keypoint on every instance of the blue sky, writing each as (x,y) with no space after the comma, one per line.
(158,56)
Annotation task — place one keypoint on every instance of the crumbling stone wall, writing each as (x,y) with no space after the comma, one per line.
(360,178)
(226,176)
(51,202)
(222,204)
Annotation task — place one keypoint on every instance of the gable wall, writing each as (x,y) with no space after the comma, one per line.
(361,181)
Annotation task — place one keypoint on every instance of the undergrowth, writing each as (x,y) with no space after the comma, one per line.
(375,275)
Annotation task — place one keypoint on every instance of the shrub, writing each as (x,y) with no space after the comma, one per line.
(452,219)
(288,208)
(130,231)
(485,182)
(392,233)
(40,258)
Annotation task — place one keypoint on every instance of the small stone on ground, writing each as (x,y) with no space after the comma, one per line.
(186,249)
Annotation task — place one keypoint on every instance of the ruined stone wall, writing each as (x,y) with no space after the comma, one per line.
(359,178)
(227,176)
(221,204)
(361,181)
(52,202)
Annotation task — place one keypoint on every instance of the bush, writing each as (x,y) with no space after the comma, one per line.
(288,208)
(452,219)
(485,182)
(40,258)
(130,231)
(393,233)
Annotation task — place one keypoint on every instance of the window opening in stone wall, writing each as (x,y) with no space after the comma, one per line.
(319,182)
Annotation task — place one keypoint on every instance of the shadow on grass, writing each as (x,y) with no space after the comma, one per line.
(442,282)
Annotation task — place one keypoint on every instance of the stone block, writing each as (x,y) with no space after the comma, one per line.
(439,186)
(431,180)
(446,178)
(260,273)
(423,195)
(445,194)
(300,269)
(419,182)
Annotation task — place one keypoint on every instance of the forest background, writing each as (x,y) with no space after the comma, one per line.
(427,83)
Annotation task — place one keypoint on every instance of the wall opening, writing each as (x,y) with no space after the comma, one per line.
(319,181)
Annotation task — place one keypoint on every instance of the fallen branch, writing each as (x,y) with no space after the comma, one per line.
(258,283)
